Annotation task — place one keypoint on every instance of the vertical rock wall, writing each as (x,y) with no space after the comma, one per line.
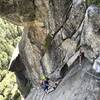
(54,30)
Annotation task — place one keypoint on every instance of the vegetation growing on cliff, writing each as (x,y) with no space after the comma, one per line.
(94,2)
(9,37)
(8,86)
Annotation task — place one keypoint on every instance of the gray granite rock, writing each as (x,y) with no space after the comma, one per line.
(90,33)
(54,30)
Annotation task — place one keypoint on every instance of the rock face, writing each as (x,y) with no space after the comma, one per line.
(77,85)
(53,32)
(90,33)
(45,57)
(56,58)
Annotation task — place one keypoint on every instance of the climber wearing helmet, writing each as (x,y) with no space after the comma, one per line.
(44,83)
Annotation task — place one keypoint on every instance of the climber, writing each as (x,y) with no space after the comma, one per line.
(44,83)
(47,85)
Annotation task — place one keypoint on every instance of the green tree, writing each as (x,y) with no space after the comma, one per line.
(10,35)
(95,2)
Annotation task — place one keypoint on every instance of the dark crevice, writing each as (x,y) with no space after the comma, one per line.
(67,16)
(64,70)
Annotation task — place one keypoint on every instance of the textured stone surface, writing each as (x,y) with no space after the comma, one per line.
(90,34)
(77,85)
(74,18)
(55,58)
(53,32)
(19,11)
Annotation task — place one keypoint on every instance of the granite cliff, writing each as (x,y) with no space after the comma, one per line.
(54,32)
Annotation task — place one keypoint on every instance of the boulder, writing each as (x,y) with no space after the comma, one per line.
(55,58)
(90,38)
